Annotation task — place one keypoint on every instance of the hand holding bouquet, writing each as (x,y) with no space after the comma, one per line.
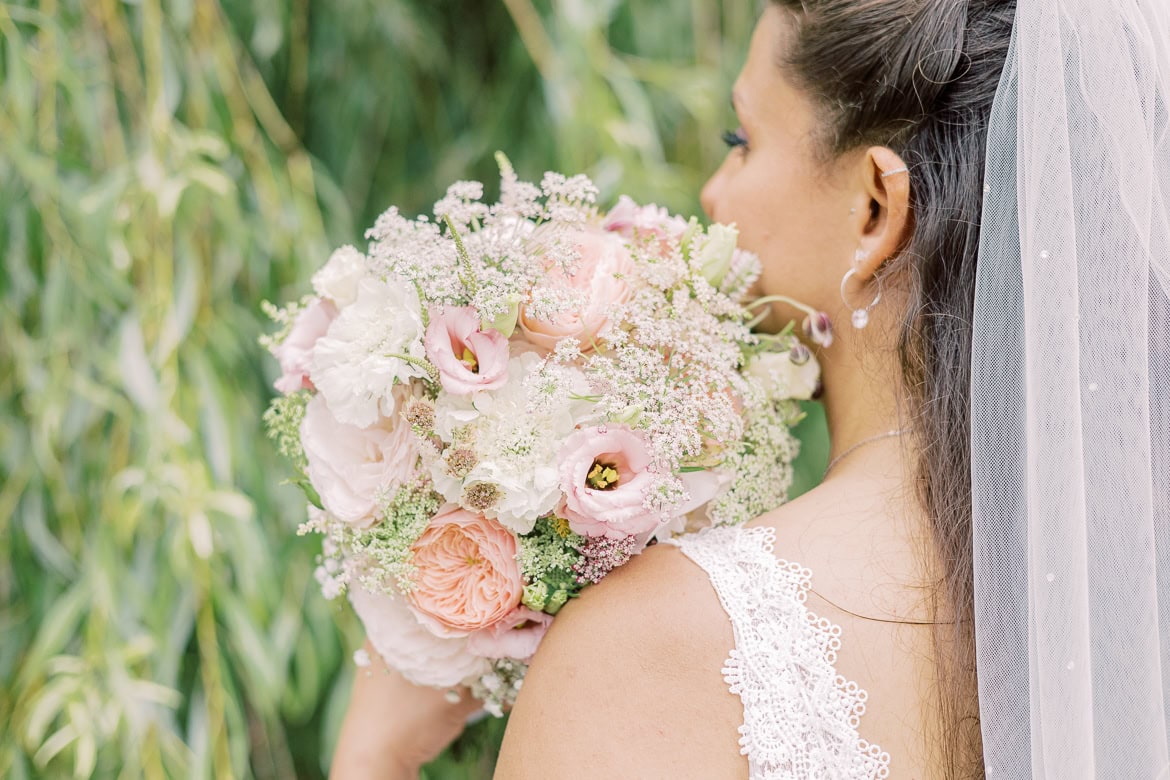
(492,410)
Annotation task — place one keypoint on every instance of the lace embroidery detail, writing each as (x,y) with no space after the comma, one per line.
(800,717)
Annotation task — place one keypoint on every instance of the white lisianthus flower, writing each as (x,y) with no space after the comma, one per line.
(781,378)
(407,645)
(360,359)
(338,279)
(714,257)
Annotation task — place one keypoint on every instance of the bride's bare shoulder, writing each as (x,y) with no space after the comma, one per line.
(627,684)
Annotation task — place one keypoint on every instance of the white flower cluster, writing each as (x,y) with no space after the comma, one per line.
(493,407)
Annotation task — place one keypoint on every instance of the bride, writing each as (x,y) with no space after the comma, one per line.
(975,192)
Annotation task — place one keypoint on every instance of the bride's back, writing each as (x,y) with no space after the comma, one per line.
(643,656)
(869,552)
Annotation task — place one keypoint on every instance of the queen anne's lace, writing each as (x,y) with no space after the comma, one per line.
(800,717)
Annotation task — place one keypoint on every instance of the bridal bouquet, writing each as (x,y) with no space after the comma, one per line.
(493,409)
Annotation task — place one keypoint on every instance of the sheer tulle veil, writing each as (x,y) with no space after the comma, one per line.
(1070,392)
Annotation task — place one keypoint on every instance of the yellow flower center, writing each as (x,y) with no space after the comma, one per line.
(603,476)
(469,360)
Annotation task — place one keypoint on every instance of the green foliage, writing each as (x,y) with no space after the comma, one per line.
(166,166)
(547,555)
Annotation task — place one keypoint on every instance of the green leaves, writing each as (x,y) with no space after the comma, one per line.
(165,166)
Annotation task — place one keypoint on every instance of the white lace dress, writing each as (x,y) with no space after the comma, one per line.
(800,717)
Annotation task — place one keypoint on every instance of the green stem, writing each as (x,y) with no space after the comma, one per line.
(780,299)
(425,365)
(467,275)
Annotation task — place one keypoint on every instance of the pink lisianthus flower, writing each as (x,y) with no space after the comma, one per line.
(516,636)
(629,219)
(468,578)
(468,359)
(294,352)
(601,275)
(603,473)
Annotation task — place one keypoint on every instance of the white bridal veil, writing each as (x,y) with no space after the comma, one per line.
(1071,397)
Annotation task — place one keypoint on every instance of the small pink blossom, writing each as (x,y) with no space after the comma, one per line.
(468,359)
(516,636)
(604,477)
(818,329)
(294,352)
(629,219)
(601,275)
(601,555)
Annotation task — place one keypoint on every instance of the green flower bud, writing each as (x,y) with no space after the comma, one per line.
(556,601)
(535,596)
(714,258)
(505,323)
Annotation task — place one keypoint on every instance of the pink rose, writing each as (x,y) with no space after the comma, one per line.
(631,220)
(604,476)
(293,353)
(467,577)
(351,467)
(407,645)
(601,274)
(516,636)
(468,358)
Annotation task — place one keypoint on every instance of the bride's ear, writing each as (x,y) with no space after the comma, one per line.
(883,226)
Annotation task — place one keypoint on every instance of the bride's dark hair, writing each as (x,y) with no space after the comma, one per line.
(919,76)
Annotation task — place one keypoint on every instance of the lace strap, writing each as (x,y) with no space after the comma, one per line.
(800,716)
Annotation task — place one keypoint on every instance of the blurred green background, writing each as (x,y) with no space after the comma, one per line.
(166,165)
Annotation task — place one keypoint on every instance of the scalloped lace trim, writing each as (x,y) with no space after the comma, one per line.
(800,717)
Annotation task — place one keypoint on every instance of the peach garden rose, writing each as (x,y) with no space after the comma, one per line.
(467,577)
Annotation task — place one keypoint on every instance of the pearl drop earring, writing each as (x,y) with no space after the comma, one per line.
(860,316)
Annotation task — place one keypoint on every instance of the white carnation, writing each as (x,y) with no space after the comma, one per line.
(338,279)
(357,363)
(525,495)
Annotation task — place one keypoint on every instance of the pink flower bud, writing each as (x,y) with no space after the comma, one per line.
(818,329)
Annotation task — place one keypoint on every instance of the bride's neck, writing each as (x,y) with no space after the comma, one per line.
(861,396)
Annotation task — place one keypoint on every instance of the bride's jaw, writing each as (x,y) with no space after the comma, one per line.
(813,215)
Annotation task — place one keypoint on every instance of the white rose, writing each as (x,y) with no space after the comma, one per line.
(782,378)
(716,252)
(351,468)
(338,279)
(357,363)
(406,645)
